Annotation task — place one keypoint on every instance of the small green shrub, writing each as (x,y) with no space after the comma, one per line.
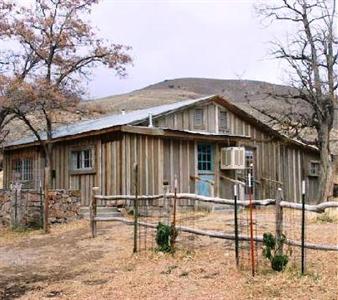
(165,237)
(272,250)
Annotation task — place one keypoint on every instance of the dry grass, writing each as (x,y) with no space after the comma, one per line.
(68,264)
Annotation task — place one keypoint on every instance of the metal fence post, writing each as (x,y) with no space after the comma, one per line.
(303,228)
(135,207)
(236,225)
(252,244)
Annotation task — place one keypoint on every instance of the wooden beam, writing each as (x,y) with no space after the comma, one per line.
(217,234)
(319,208)
(266,202)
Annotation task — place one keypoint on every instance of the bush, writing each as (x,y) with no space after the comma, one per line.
(272,250)
(165,237)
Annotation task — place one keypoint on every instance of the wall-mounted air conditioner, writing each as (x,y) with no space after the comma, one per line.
(233,158)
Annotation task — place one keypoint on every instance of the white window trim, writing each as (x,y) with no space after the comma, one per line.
(82,170)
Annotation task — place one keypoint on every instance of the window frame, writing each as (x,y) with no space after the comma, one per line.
(195,124)
(82,169)
(26,166)
(224,128)
(310,173)
(205,160)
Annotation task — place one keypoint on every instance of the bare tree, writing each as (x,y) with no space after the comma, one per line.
(311,53)
(56,50)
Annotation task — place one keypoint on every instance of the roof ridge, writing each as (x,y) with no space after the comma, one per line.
(110,120)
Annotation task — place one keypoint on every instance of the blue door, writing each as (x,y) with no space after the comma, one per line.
(205,184)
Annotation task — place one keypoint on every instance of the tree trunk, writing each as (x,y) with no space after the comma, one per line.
(326,165)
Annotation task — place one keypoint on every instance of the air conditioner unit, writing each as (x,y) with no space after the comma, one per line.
(233,158)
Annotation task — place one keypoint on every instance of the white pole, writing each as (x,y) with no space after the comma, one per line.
(303,187)
(235,190)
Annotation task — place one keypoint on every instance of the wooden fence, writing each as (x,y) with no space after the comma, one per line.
(278,203)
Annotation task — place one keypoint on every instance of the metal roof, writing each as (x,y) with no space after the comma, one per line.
(106,122)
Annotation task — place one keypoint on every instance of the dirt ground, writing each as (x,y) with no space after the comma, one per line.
(69,264)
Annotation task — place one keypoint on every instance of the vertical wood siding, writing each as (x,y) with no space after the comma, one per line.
(161,159)
(184,120)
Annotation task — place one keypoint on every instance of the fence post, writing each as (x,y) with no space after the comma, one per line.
(46,200)
(16,207)
(303,228)
(252,245)
(93,211)
(236,225)
(41,204)
(173,225)
(279,220)
(165,203)
(135,206)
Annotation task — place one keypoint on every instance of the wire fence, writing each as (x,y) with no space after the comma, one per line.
(240,225)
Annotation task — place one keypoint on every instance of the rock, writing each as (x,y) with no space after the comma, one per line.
(63,207)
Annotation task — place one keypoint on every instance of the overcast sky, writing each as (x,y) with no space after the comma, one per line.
(181,38)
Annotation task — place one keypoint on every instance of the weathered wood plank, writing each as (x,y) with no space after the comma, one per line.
(216,234)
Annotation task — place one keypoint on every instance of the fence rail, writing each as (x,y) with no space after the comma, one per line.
(217,234)
(319,208)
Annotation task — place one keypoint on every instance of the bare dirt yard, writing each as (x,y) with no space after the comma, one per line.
(69,264)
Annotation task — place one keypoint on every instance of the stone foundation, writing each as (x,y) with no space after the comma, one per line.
(25,208)
(5,208)
(64,206)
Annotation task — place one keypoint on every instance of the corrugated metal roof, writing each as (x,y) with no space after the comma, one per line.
(111,121)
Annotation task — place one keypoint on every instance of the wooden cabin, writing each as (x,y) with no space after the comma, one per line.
(208,144)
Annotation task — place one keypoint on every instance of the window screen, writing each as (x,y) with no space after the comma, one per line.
(198,118)
(204,157)
(23,169)
(82,159)
(223,120)
(314,168)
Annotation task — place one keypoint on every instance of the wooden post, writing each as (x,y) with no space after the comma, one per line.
(16,207)
(236,224)
(41,204)
(173,225)
(46,200)
(135,207)
(279,220)
(93,211)
(166,204)
(303,229)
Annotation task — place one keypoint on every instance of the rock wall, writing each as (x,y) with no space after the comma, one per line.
(25,208)
(5,208)
(64,206)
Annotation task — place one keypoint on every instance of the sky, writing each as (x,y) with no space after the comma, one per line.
(222,39)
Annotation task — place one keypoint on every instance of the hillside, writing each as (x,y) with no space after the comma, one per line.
(168,91)
(245,93)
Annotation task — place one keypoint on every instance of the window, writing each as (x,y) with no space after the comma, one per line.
(198,118)
(314,168)
(223,121)
(82,159)
(250,154)
(22,169)
(204,157)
